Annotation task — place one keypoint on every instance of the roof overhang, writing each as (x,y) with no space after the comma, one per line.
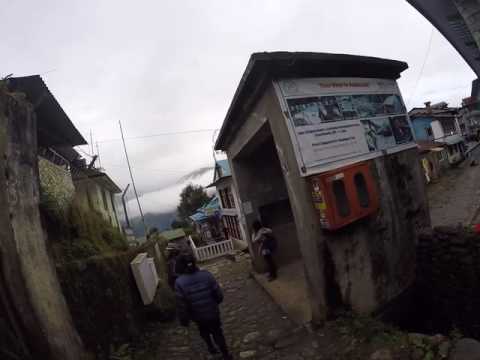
(444,15)
(54,126)
(264,67)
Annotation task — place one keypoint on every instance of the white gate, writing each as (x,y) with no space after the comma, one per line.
(211,251)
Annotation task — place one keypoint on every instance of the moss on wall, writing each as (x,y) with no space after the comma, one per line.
(56,187)
(80,234)
(104,300)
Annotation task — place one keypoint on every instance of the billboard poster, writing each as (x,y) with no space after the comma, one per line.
(338,121)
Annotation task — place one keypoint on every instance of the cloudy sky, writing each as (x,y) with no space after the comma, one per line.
(164,67)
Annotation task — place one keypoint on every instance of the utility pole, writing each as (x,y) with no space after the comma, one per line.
(127,220)
(131,177)
(98,154)
(91,143)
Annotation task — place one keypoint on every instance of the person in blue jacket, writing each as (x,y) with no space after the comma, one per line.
(198,297)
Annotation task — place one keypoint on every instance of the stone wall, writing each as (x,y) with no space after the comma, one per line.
(31,295)
(104,300)
(56,186)
(447,289)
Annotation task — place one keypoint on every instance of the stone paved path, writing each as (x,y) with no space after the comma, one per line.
(455,198)
(254,326)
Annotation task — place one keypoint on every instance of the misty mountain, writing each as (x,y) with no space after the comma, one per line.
(161,221)
(195,174)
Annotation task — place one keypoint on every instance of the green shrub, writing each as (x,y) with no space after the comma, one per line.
(82,234)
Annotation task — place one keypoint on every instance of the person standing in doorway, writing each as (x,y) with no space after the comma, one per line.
(198,298)
(267,246)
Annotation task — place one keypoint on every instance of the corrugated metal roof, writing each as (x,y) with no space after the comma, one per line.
(54,126)
(173,234)
(79,174)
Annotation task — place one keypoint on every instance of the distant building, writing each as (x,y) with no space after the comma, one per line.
(438,124)
(95,190)
(64,176)
(176,236)
(229,204)
(434,160)
(206,221)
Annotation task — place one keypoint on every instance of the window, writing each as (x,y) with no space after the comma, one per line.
(227,199)
(231,201)
(362,190)
(222,198)
(429,131)
(104,198)
(341,199)
(232,225)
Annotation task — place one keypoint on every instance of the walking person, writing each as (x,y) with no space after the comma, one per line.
(198,297)
(267,246)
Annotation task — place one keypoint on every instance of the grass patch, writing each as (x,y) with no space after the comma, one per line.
(79,234)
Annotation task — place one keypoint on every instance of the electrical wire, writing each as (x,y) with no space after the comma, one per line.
(423,65)
(157,135)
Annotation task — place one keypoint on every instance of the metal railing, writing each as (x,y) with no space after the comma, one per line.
(211,251)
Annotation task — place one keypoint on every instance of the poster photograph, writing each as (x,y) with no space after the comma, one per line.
(335,121)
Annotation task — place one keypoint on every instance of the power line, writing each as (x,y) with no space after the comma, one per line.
(131,177)
(157,135)
(423,65)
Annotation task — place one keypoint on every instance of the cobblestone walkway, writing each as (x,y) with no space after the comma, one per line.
(254,326)
(455,198)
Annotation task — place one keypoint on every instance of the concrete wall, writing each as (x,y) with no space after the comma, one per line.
(105,302)
(375,258)
(88,194)
(367,264)
(29,281)
(420,126)
(267,194)
(448,281)
(264,121)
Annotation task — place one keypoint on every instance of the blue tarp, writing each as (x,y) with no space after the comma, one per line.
(212,208)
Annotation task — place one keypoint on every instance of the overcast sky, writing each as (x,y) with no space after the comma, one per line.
(169,66)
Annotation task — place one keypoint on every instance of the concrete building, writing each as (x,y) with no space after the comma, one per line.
(297,115)
(469,113)
(438,124)
(434,160)
(457,20)
(95,191)
(229,204)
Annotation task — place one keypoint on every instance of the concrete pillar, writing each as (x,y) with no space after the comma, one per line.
(310,236)
(29,279)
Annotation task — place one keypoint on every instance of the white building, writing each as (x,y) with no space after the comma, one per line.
(229,204)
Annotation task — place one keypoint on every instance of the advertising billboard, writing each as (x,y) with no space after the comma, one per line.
(339,121)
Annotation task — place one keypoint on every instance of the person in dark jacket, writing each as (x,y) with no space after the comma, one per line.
(198,297)
(267,246)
